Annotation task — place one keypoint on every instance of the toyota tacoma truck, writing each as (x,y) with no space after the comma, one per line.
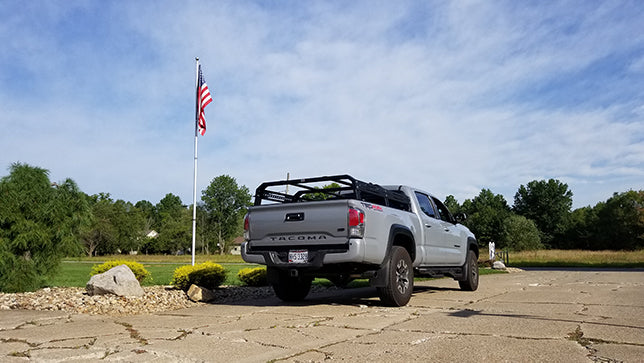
(340,228)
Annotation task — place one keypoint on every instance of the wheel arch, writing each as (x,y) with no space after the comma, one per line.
(402,236)
(473,245)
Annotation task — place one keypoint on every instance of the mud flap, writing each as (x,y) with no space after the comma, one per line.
(379,279)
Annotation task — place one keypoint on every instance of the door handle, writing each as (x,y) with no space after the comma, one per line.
(428,225)
(446,229)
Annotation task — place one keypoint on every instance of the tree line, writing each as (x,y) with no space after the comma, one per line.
(41,222)
(542,217)
(166,227)
(118,226)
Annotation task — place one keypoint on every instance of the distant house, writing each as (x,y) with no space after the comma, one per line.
(236,250)
(152,234)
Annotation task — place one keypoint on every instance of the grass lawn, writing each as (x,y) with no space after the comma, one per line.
(77,273)
(74,272)
(576,258)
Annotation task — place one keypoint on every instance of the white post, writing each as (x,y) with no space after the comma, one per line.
(492,251)
(194,185)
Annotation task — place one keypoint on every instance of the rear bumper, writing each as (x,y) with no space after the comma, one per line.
(352,252)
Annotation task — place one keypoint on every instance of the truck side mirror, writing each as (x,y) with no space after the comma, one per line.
(460,217)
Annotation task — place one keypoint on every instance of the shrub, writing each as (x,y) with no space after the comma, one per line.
(520,234)
(253,276)
(39,224)
(208,275)
(139,271)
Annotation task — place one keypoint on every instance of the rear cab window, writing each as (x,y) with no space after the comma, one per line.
(425,205)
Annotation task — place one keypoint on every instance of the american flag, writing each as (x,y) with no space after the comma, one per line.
(203,99)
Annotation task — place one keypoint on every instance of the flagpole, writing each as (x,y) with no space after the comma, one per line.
(194,185)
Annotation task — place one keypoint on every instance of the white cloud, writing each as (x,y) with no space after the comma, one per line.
(451,98)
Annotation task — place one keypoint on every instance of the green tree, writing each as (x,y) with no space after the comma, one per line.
(226,203)
(320,195)
(117,226)
(175,228)
(520,234)
(130,226)
(486,213)
(175,234)
(72,216)
(205,230)
(452,204)
(581,231)
(149,212)
(40,222)
(548,204)
(621,221)
(101,237)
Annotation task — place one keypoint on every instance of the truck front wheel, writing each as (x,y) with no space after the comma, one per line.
(400,279)
(471,270)
(289,288)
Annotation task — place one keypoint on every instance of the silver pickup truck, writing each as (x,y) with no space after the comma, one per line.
(340,228)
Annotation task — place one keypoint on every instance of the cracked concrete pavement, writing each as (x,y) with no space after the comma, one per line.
(536,315)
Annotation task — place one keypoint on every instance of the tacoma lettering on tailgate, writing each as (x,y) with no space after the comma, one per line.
(298,238)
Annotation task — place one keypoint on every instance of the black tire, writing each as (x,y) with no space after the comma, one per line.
(289,288)
(400,282)
(471,278)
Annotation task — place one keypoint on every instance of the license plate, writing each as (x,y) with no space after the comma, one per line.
(300,256)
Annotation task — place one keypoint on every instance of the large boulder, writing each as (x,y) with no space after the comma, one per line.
(119,280)
(499,265)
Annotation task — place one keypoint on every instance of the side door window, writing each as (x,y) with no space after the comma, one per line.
(443,212)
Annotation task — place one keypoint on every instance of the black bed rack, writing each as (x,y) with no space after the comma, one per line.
(319,188)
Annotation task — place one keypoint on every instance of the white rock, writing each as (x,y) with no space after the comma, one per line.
(498,265)
(200,294)
(119,280)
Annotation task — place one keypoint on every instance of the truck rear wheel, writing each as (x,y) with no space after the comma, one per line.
(471,268)
(400,281)
(289,288)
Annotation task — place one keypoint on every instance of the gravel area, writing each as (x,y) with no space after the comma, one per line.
(156,299)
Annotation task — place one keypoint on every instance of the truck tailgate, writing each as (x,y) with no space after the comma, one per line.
(299,224)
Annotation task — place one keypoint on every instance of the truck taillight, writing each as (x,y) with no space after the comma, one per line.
(246,228)
(356,223)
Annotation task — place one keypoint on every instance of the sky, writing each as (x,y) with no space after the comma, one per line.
(447,96)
